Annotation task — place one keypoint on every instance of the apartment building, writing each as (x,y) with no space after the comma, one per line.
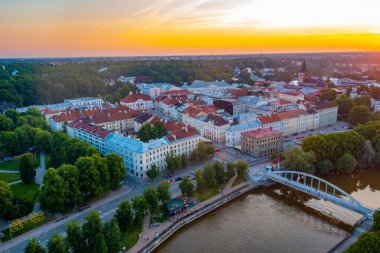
(137,102)
(261,142)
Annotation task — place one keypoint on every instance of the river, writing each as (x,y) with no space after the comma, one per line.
(278,219)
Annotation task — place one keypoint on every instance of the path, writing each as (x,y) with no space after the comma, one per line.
(39,178)
(10,171)
(15,182)
(151,232)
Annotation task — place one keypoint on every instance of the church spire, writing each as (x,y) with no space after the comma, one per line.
(303,68)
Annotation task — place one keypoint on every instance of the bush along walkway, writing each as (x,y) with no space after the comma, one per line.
(148,234)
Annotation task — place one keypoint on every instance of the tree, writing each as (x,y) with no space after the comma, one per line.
(363,100)
(201,183)
(368,156)
(145,132)
(91,228)
(241,168)
(328,95)
(347,163)
(151,198)
(89,176)
(186,186)
(345,105)
(376,221)
(163,193)
(359,114)
(70,176)
(42,140)
(184,161)
(6,124)
(57,244)
(368,242)
(124,215)
(376,142)
(74,237)
(153,172)
(324,167)
(116,169)
(54,192)
(231,170)
(27,164)
(6,197)
(194,156)
(220,175)
(140,205)
(112,236)
(298,160)
(368,130)
(159,129)
(171,161)
(209,175)
(100,245)
(34,247)
(202,151)
(101,166)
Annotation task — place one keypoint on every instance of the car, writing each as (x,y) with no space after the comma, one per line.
(192,172)
(171,181)
(178,179)
(170,175)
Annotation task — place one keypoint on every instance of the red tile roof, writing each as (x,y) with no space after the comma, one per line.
(134,97)
(291,114)
(291,93)
(216,120)
(208,108)
(268,119)
(182,133)
(325,105)
(94,130)
(259,133)
(192,111)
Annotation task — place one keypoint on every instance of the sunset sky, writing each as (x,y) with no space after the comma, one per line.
(42,28)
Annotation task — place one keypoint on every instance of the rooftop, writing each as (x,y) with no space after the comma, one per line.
(260,133)
(244,126)
(134,97)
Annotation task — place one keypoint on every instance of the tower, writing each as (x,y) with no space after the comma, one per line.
(354,92)
(303,73)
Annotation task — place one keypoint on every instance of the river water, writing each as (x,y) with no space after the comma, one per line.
(278,219)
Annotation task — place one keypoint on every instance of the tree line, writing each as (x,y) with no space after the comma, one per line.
(149,132)
(93,236)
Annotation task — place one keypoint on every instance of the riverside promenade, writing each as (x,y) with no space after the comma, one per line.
(151,238)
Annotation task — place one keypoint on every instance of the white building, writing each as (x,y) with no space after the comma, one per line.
(154,90)
(86,102)
(233,133)
(138,102)
(292,96)
(328,113)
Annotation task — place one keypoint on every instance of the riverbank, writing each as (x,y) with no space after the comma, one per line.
(156,236)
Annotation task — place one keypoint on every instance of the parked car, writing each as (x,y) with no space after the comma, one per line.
(171,181)
(178,179)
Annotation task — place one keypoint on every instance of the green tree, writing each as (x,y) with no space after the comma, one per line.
(91,228)
(116,170)
(12,114)
(194,156)
(163,193)
(329,95)
(359,114)
(368,156)
(186,186)
(27,164)
(220,175)
(124,215)
(201,183)
(241,168)
(347,163)
(70,176)
(145,132)
(296,159)
(210,150)
(112,236)
(153,172)
(363,100)
(57,244)
(34,247)
(376,221)
(345,105)
(324,167)
(54,192)
(6,124)
(151,198)
(89,176)
(184,161)
(368,130)
(368,242)
(6,197)
(231,170)
(101,166)
(159,129)
(140,205)
(42,140)
(100,245)
(74,237)
(209,174)
(376,142)
(171,162)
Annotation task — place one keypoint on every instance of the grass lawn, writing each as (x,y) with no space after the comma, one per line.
(9,177)
(132,236)
(25,229)
(9,165)
(238,180)
(208,192)
(25,191)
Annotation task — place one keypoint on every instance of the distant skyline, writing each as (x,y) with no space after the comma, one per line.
(39,28)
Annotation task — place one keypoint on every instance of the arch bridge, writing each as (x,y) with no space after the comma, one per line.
(319,188)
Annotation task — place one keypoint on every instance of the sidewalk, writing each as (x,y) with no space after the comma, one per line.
(151,232)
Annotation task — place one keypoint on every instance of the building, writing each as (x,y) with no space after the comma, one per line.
(119,121)
(138,102)
(354,92)
(233,133)
(297,121)
(85,102)
(209,87)
(91,134)
(303,73)
(261,142)
(271,121)
(328,113)
(214,127)
(375,104)
(154,90)
(232,106)
(292,96)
